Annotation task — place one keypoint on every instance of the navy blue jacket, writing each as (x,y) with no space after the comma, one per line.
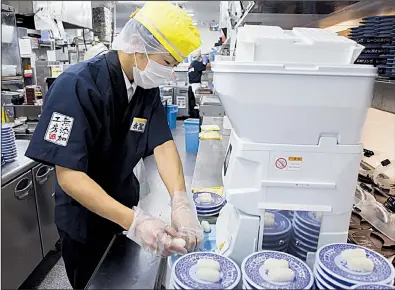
(88,125)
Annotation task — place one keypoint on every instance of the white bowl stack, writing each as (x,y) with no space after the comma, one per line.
(305,233)
(255,275)
(331,271)
(183,274)
(276,237)
(208,209)
(8,145)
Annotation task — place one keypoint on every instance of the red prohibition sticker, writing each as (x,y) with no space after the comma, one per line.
(281,163)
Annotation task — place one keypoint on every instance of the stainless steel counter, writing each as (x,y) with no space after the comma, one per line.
(210,157)
(11,170)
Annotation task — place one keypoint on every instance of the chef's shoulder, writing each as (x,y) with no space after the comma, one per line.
(86,79)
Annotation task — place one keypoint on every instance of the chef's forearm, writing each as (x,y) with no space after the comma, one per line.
(170,167)
(89,194)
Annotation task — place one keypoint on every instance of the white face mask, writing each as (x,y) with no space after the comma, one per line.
(153,75)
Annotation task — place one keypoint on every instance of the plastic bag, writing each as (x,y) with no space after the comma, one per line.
(141,175)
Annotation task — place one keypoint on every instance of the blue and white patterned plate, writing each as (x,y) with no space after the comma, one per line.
(256,275)
(330,261)
(332,282)
(318,284)
(299,244)
(208,214)
(320,281)
(217,201)
(282,225)
(184,272)
(372,286)
(307,218)
(305,239)
(304,229)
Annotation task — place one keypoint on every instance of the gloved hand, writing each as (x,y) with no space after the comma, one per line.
(153,234)
(184,220)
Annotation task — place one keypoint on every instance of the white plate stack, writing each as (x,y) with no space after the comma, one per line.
(207,209)
(8,145)
(276,237)
(183,273)
(331,271)
(305,233)
(255,275)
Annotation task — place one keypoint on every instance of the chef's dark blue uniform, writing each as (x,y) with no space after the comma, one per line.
(195,72)
(107,137)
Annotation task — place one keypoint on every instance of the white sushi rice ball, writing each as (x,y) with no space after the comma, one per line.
(208,274)
(206,226)
(353,253)
(269,220)
(275,263)
(205,197)
(208,263)
(178,242)
(360,264)
(281,275)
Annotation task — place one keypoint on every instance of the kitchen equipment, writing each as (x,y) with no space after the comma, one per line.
(294,147)
(180,98)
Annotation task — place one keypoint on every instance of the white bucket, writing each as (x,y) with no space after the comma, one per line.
(295,104)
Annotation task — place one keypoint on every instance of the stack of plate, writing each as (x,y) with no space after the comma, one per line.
(255,274)
(276,238)
(183,274)
(305,233)
(376,34)
(209,209)
(8,146)
(373,286)
(331,272)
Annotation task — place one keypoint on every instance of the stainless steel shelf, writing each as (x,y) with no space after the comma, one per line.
(12,81)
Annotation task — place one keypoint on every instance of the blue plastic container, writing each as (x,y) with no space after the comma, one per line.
(191,129)
(172,116)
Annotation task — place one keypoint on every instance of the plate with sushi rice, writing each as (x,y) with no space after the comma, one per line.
(276,270)
(204,270)
(373,286)
(208,201)
(351,264)
(276,224)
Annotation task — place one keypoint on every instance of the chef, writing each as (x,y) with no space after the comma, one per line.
(195,72)
(100,118)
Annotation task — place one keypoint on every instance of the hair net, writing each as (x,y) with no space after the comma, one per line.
(134,37)
(197,55)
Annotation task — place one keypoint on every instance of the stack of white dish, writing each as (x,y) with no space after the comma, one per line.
(8,145)
(211,207)
(184,270)
(331,270)
(276,237)
(305,233)
(255,274)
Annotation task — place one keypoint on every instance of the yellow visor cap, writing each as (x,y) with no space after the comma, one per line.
(171,26)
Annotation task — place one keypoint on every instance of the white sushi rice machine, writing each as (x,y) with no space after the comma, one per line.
(296,138)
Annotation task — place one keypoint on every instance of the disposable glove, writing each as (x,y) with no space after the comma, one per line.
(185,221)
(153,234)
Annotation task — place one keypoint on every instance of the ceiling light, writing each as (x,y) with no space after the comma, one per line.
(191,14)
(194,23)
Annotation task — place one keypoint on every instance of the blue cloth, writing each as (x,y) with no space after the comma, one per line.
(101,141)
(195,71)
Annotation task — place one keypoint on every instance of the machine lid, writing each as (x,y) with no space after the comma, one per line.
(305,68)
